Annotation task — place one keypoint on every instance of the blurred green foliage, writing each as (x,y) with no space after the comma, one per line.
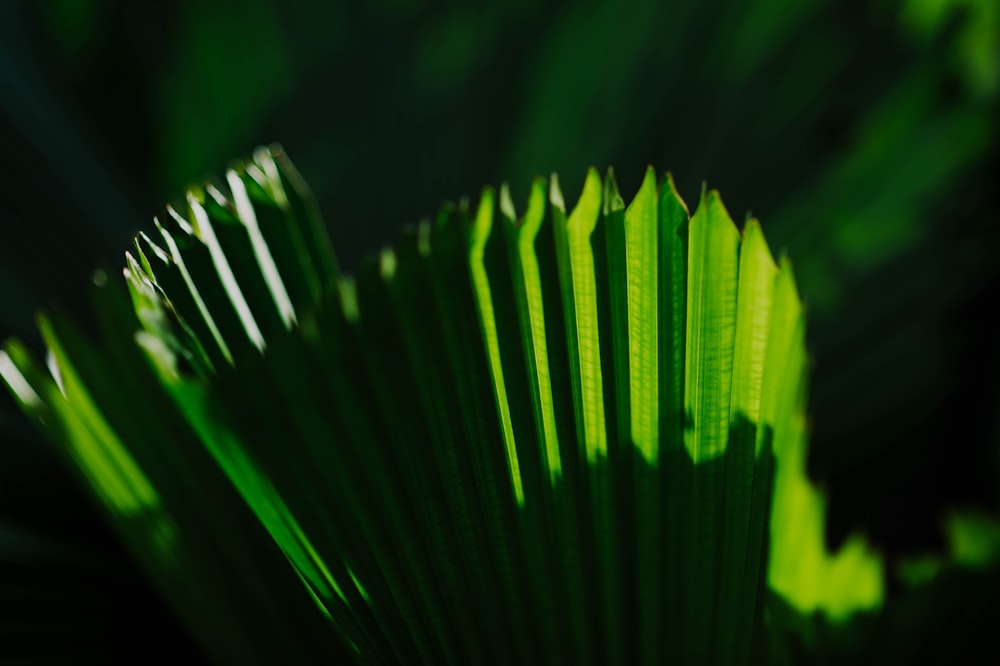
(863,133)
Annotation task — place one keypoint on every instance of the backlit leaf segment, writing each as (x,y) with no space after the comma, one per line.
(563,435)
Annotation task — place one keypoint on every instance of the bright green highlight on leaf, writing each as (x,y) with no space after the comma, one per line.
(711,318)
(642,264)
(480,233)
(100,451)
(177,258)
(801,569)
(262,252)
(753,318)
(579,228)
(204,231)
(534,302)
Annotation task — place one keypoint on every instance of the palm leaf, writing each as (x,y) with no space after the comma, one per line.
(571,436)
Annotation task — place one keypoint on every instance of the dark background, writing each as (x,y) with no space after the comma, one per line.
(863,135)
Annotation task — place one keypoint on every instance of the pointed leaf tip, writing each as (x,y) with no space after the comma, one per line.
(612,196)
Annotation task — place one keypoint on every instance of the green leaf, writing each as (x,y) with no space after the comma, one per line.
(711,331)
(561,437)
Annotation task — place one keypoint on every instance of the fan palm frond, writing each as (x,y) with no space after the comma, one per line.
(576,436)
